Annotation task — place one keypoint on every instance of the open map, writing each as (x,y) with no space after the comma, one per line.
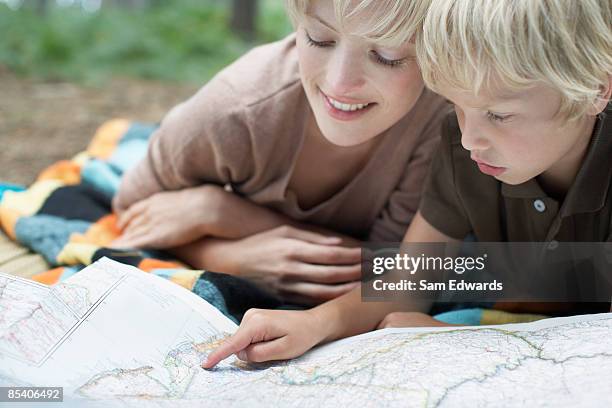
(112,334)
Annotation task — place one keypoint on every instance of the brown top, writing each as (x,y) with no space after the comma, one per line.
(245,128)
(459,199)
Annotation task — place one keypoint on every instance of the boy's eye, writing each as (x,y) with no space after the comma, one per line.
(387,62)
(320,44)
(496,118)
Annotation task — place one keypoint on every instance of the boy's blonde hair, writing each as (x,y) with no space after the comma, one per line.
(565,44)
(389,22)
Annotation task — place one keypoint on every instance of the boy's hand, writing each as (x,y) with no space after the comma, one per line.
(300,266)
(410,319)
(168,219)
(266,335)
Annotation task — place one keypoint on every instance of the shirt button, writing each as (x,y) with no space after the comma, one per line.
(539,205)
(552,245)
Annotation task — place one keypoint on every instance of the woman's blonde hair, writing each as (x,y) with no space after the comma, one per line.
(565,44)
(389,22)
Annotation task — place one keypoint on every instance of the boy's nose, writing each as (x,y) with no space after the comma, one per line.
(472,137)
(471,141)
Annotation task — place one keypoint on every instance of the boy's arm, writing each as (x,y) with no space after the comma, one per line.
(358,317)
(273,335)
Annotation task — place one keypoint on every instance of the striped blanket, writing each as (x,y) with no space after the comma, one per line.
(66,217)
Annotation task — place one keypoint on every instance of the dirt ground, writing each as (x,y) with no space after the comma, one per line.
(43,122)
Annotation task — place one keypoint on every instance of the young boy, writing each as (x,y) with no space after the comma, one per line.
(527,157)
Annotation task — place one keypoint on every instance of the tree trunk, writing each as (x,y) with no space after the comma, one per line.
(131,4)
(244,14)
(41,7)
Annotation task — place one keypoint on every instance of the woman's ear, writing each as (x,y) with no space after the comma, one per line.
(604,98)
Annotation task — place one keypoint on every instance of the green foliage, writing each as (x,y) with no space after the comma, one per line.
(179,40)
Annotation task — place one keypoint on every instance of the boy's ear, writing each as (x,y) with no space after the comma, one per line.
(604,98)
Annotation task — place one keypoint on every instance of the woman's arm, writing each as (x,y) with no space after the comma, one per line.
(204,140)
(300,263)
(175,219)
(299,266)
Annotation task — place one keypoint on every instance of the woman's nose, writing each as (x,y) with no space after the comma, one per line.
(345,73)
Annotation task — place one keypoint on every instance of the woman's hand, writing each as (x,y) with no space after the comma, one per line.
(410,319)
(169,219)
(266,335)
(299,266)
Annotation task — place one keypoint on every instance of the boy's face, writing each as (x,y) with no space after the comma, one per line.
(356,89)
(516,136)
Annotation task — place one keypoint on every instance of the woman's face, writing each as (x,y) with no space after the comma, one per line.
(356,89)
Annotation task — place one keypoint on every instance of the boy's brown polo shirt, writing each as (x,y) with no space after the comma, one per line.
(459,199)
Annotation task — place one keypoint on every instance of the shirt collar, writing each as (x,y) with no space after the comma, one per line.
(529,189)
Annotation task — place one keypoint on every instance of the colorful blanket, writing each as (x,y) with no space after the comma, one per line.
(66,217)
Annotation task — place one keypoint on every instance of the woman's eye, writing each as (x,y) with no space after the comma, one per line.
(496,118)
(320,44)
(388,62)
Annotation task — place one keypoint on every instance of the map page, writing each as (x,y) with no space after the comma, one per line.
(114,335)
